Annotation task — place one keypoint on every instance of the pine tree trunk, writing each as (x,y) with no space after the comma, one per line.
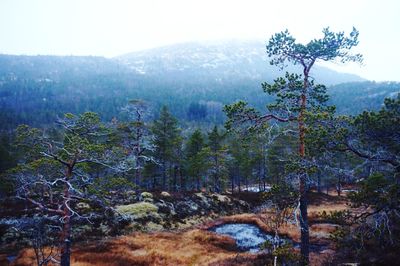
(319,189)
(175,181)
(154,182)
(164,176)
(232,183)
(138,150)
(304,246)
(66,232)
(259,181)
(238,178)
(137,178)
(183,185)
(339,186)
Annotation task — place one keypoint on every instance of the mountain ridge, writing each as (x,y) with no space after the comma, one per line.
(245,58)
(37,89)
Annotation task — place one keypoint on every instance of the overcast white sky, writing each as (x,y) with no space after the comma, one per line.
(114,27)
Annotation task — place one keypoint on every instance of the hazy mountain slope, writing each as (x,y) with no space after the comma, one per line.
(218,60)
(195,80)
(355,97)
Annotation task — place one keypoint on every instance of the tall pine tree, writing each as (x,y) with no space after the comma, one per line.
(298,96)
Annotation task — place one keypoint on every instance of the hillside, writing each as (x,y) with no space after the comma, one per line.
(217,61)
(187,77)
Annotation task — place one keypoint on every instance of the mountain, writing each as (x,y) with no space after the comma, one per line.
(195,80)
(220,61)
(355,97)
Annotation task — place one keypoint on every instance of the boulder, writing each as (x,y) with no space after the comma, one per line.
(166,208)
(186,208)
(165,194)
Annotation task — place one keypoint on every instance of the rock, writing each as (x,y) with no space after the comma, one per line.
(146,197)
(186,208)
(83,206)
(221,198)
(165,194)
(104,229)
(244,204)
(165,207)
(130,195)
(122,220)
(204,201)
(151,226)
(137,208)
(134,227)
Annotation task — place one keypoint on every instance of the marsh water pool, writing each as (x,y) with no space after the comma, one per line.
(248,237)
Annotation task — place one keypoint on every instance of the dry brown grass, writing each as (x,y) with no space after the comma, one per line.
(196,246)
(3,259)
(327,203)
(25,257)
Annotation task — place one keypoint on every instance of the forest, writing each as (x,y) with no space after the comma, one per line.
(103,166)
(36,90)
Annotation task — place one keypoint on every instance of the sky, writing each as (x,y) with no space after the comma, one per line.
(114,27)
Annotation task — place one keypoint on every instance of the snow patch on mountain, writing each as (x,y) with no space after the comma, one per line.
(237,60)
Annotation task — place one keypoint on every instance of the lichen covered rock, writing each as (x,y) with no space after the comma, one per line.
(140,211)
(165,194)
(146,197)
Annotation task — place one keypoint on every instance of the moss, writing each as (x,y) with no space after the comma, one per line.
(146,196)
(137,208)
(140,211)
(134,227)
(151,226)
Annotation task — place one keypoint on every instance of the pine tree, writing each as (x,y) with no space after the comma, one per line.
(218,169)
(244,159)
(166,138)
(135,137)
(61,168)
(297,96)
(196,158)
